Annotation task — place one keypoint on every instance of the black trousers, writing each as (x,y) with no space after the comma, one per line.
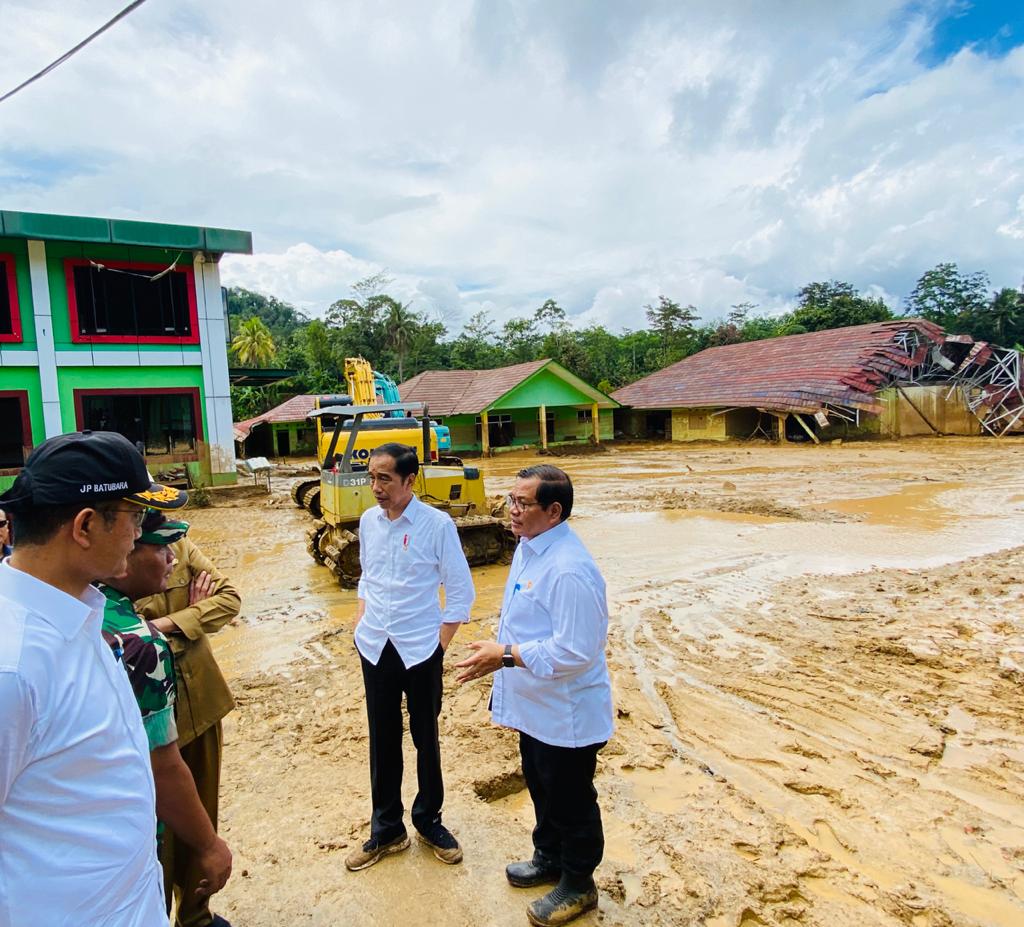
(421,684)
(561,783)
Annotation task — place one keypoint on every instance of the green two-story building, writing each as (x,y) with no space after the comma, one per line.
(116,325)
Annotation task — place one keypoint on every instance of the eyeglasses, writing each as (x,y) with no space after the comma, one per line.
(138,515)
(521,504)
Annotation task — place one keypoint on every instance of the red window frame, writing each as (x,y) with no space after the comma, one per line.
(78,338)
(7,267)
(26,424)
(80,394)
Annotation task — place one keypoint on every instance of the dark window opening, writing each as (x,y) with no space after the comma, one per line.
(10,318)
(501,430)
(128,303)
(158,424)
(6,303)
(13,439)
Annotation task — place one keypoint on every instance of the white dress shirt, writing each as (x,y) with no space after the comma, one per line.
(77,802)
(404,563)
(556,611)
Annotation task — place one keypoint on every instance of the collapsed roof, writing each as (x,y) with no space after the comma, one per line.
(839,371)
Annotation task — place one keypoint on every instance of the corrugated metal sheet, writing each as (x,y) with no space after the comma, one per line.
(465,392)
(797,373)
(291,410)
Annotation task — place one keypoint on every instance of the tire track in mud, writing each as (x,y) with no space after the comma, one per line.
(851,732)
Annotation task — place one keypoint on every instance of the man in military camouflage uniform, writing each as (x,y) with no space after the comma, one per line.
(146,656)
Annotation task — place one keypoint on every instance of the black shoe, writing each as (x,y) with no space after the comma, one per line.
(219,921)
(446,848)
(562,904)
(532,872)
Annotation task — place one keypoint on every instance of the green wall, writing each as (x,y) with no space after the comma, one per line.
(27,379)
(57,252)
(71,378)
(567,428)
(544,388)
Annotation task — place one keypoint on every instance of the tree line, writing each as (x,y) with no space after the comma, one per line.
(402,341)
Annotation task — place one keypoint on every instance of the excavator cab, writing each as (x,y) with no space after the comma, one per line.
(344,491)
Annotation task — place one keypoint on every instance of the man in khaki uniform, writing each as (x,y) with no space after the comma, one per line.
(198,601)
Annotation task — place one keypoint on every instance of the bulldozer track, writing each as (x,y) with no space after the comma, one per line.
(484,539)
(313,541)
(311,501)
(299,490)
(339,552)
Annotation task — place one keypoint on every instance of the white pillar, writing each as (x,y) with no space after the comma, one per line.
(43,317)
(214,353)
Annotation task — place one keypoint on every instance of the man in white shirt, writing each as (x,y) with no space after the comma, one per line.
(407,551)
(77,804)
(553,687)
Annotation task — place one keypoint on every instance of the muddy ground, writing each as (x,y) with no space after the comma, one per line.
(818,666)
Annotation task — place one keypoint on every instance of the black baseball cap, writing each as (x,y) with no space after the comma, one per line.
(88,466)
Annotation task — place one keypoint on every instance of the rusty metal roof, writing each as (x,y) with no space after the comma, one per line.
(465,392)
(291,410)
(796,373)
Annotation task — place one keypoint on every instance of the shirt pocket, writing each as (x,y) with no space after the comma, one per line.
(527,618)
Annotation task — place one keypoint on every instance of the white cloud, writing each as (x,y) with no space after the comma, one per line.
(491,155)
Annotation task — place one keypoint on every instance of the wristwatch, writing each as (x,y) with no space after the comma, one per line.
(507,659)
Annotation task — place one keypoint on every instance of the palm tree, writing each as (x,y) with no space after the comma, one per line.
(401,326)
(254,345)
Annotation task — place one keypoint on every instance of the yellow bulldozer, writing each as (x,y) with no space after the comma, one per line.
(344,488)
(367,387)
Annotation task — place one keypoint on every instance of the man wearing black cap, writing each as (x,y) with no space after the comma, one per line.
(75,778)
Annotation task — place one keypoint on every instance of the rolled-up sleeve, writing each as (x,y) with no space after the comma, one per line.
(579,628)
(459,592)
(17,718)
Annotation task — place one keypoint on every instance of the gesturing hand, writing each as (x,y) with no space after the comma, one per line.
(486,659)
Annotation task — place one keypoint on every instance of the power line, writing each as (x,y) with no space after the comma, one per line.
(54,64)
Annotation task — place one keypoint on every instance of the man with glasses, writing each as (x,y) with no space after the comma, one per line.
(551,684)
(407,551)
(76,786)
(5,535)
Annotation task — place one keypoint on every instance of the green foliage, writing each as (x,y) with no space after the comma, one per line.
(948,297)
(400,341)
(280,318)
(834,304)
(254,346)
(961,303)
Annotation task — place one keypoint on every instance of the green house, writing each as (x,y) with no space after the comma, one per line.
(116,325)
(539,403)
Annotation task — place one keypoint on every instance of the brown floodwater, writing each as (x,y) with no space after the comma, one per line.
(730,556)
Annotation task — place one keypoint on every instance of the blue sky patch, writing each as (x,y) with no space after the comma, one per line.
(992,27)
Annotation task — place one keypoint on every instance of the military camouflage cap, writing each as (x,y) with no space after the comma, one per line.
(157,529)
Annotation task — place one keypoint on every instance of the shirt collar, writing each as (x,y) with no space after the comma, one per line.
(541,542)
(66,613)
(409,514)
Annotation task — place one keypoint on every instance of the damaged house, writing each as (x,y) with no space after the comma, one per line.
(889,379)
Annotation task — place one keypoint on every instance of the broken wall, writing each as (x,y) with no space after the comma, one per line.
(698,425)
(906,409)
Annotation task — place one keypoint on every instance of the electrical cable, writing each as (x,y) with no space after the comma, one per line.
(53,64)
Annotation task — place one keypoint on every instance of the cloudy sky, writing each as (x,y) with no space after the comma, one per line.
(493,154)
